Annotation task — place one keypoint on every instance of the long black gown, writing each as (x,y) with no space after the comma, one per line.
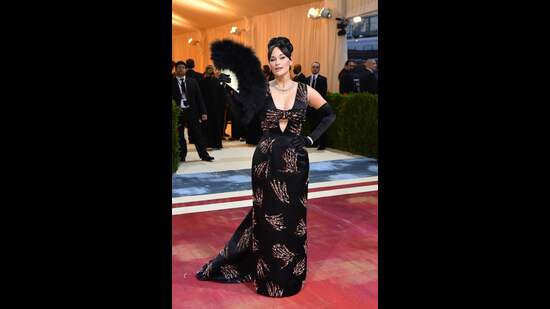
(270,245)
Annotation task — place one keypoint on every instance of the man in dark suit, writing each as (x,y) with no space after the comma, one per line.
(191,73)
(370,80)
(298,75)
(348,67)
(190,65)
(319,83)
(186,93)
(354,80)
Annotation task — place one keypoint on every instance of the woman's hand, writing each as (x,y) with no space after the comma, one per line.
(224,78)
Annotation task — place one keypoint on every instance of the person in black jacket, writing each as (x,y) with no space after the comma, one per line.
(190,65)
(353,81)
(298,75)
(191,73)
(213,94)
(186,93)
(267,73)
(319,83)
(370,80)
(348,66)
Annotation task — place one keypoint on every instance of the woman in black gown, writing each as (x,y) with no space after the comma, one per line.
(269,247)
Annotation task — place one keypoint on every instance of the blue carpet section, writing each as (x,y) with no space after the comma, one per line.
(238,180)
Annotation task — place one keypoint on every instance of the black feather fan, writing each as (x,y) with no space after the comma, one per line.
(241,60)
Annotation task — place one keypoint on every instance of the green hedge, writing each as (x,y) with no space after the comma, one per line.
(356,127)
(175,137)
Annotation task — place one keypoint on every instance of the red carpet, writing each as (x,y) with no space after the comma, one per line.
(342,260)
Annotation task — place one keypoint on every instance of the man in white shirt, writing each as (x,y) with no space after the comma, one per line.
(319,83)
(186,93)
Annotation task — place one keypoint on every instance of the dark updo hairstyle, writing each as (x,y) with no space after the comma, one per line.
(284,45)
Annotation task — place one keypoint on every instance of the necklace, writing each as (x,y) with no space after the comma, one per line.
(282,89)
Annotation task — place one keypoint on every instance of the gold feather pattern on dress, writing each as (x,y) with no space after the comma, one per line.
(266,145)
(300,267)
(224,251)
(295,128)
(247,278)
(281,252)
(206,271)
(244,242)
(301,229)
(303,199)
(290,160)
(295,121)
(279,187)
(255,244)
(258,196)
(271,120)
(253,219)
(301,93)
(229,272)
(276,221)
(261,268)
(262,170)
(274,290)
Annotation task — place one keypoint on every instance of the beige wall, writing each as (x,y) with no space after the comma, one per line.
(313,40)
(360,7)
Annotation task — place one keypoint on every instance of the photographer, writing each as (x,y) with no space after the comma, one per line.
(238,131)
(214,99)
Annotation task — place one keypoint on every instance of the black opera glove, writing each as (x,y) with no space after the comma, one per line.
(327,116)
(302,141)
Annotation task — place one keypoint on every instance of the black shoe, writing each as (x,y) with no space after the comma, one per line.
(182,159)
(208,158)
(321,148)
